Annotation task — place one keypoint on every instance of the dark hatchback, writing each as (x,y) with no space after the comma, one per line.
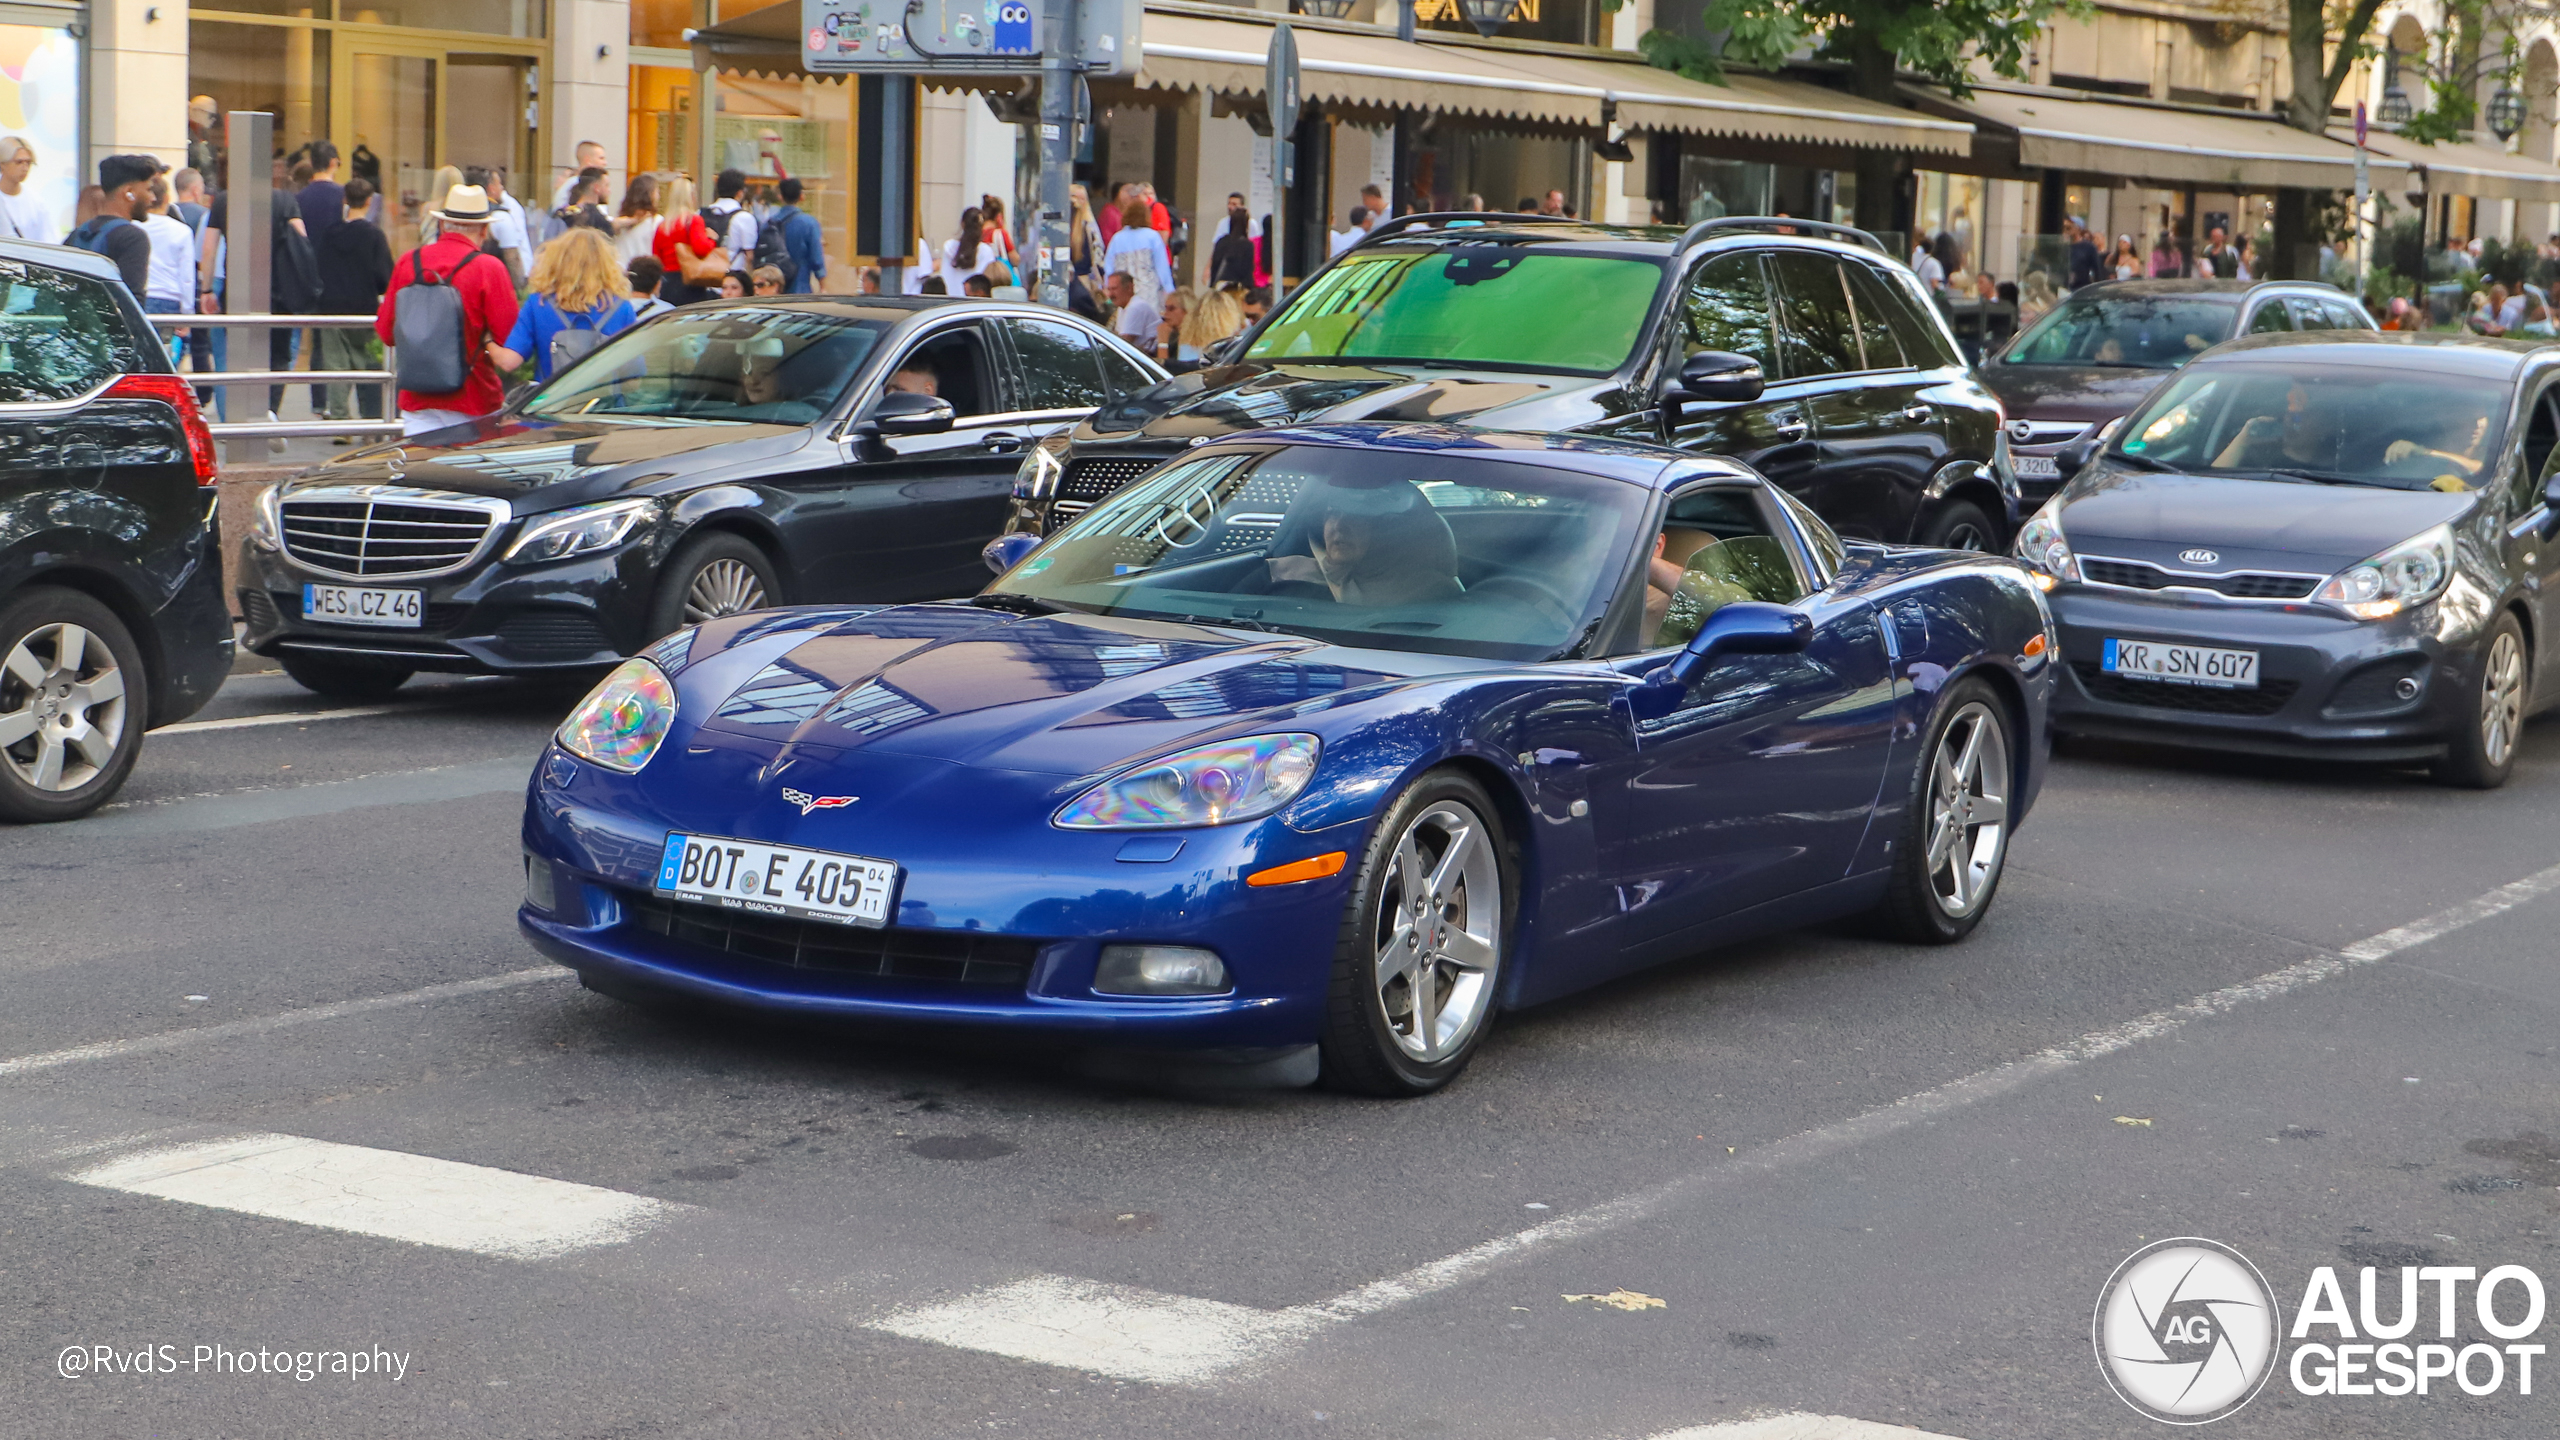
(112,618)
(1799,349)
(2338,546)
(2094,357)
(717,459)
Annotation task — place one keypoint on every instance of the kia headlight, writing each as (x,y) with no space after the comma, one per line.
(2042,546)
(622,720)
(1037,476)
(2410,573)
(266,522)
(580,531)
(1205,785)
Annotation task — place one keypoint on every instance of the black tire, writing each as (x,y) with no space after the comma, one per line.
(1959,525)
(79,742)
(1362,1050)
(724,564)
(345,678)
(2496,696)
(1918,906)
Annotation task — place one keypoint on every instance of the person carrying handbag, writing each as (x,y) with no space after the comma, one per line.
(685,245)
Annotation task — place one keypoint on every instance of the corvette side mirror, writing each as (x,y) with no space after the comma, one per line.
(1745,627)
(1006,551)
(903,412)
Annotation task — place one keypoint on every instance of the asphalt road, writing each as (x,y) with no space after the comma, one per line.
(276,1074)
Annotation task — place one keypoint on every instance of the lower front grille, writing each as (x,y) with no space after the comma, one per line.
(2267,699)
(552,635)
(2239,585)
(259,610)
(932,956)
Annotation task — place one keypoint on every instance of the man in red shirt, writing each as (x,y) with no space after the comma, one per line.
(488,310)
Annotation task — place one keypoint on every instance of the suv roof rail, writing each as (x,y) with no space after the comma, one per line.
(1780,224)
(1403,223)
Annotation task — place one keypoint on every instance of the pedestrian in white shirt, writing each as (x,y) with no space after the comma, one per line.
(171,289)
(1344,239)
(590,156)
(967,253)
(22,215)
(506,221)
(737,231)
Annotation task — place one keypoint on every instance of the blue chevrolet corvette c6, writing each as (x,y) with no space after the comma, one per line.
(1317,745)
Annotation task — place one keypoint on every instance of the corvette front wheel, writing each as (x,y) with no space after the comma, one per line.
(1423,940)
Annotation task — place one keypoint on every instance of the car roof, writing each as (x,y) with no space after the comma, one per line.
(2200,288)
(62,257)
(890,309)
(1634,462)
(1646,241)
(2446,352)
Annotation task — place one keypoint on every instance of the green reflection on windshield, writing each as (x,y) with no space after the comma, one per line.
(1482,305)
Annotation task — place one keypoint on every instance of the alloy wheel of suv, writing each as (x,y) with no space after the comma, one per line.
(71,705)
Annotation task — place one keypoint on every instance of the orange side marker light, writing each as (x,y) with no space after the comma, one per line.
(1315,868)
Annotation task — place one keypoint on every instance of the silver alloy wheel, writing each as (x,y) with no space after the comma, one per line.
(2501,698)
(1968,809)
(723,587)
(1438,932)
(1968,537)
(62,707)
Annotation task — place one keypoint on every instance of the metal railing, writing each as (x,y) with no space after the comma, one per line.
(228,380)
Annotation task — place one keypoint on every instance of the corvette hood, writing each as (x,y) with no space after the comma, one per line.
(541,464)
(2248,524)
(1213,403)
(1057,694)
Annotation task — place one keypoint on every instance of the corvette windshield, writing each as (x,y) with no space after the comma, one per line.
(2133,332)
(2396,427)
(769,366)
(1497,305)
(1440,551)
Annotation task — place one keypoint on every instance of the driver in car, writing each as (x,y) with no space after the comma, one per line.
(1377,547)
(2452,462)
(913,378)
(2303,436)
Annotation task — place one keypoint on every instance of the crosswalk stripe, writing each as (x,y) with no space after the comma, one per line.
(386,1193)
(1802,1427)
(1105,1329)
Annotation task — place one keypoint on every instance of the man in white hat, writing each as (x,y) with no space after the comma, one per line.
(488,297)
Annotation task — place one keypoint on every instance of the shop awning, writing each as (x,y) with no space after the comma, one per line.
(2467,168)
(1759,107)
(1189,52)
(2169,145)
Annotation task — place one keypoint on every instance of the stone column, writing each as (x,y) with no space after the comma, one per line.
(586,89)
(137,98)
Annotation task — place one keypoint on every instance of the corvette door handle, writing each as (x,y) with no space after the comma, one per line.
(1001,440)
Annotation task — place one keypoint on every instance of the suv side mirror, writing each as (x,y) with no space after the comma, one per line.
(903,412)
(1744,627)
(1712,376)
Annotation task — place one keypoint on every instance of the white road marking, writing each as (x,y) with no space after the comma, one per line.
(266,1024)
(385,1193)
(1801,1427)
(251,722)
(1111,1329)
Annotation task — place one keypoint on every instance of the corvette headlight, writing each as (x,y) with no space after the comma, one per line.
(266,523)
(2409,573)
(2042,546)
(1037,477)
(1207,785)
(582,530)
(622,720)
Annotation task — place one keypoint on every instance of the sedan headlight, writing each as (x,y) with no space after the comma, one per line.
(622,720)
(2409,573)
(581,531)
(1037,477)
(2042,546)
(266,523)
(1206,785)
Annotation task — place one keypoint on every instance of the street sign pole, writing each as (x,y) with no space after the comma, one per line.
(2364,191)
(1058,149)
(1280,99)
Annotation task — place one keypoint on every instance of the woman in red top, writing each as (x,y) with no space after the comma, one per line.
(682,237)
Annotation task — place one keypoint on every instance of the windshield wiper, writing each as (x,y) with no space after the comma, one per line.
(2139,462)
(2316,477)
(1014,601)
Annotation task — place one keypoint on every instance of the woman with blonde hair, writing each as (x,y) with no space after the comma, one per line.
(446,177)
(578,297)
(691,254)
(1084,255)
(1215,317)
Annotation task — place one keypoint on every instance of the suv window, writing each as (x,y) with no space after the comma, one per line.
(1125,376)
(61,335)
(1875,318)
(2271,319)
(1728,305)
(1915,324)
(1820,336)
(1058,367)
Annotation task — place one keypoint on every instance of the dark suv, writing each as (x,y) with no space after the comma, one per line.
(2093,357)
(1798,348)
(111,611)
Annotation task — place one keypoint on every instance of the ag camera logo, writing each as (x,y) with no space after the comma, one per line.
(2186,1331)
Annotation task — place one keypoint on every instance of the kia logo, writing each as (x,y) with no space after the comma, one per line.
(2198,557)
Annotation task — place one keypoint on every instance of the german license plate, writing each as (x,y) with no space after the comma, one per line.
(2036,467)
(2181,664)
(355,605)
(777,879)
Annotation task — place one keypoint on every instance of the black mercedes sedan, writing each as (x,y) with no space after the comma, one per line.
(2334,545)
(719,458)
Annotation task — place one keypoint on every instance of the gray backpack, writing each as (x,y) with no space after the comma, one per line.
(430,335)
(577,339)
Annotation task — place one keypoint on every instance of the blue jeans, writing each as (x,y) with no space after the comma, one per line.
(175,342)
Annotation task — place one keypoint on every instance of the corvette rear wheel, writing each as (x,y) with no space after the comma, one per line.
(1955,838)
(1422,943)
